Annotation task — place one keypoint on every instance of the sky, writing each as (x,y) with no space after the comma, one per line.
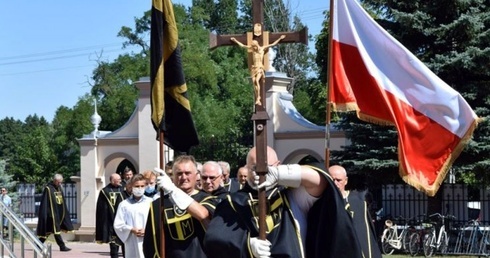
(48,49)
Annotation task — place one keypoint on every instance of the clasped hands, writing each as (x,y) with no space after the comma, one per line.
(139,232)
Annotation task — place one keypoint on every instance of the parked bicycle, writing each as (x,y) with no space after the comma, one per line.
(421,229)
(437,242)
(396,237)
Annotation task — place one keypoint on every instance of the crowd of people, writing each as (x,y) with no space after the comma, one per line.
(194,209)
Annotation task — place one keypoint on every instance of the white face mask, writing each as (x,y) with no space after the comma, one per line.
(138,192)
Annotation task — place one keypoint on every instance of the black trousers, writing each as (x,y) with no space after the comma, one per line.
(57,237)
(115,250)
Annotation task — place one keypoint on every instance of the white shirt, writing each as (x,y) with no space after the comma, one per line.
(301,201)
(132,214)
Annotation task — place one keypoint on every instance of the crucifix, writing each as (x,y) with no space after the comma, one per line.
(257,45)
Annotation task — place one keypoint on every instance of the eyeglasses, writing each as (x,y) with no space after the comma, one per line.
(205,178)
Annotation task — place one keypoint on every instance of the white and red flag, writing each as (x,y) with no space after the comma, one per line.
(375,75)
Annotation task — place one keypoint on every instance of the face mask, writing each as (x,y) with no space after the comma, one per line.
(138,192)
(150,189)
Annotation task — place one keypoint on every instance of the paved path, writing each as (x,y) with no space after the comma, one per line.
(78,250)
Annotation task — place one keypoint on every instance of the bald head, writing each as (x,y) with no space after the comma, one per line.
(115,179)
(339,176)
(272,159)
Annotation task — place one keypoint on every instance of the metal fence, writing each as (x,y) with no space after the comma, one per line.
(461,201)
(29,200)
(398,200)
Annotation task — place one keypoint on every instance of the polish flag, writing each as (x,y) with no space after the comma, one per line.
(375,75)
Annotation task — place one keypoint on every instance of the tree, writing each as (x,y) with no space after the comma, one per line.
(5,178)
(10,130)
(34,160)
(69,125)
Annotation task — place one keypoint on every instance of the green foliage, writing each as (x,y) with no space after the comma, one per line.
(10,130)
(33,158)
(68,127)
(6,179)
(310,101)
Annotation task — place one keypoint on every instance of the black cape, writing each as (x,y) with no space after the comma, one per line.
(331,231)
(107,202)
(220,193)
(330,227)
(53,215)
(183,235)
(363,224)
(233,185)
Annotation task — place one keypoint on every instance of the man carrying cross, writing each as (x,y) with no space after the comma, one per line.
(284,210)
(305,216)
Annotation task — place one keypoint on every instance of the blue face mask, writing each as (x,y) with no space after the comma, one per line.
(150,189)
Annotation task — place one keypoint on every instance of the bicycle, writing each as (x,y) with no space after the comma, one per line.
(391,239)
(434,242)
(415,242)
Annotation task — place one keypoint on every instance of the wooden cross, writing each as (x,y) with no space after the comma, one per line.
(257,43)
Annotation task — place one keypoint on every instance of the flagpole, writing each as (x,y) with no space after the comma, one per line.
(162,215)
(329,85)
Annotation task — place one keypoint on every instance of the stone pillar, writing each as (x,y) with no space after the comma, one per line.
(275,83)
(148,149)
(87,189)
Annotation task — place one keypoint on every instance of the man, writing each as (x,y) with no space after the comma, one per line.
(131,217)
(355,201)
(212,179)
(53,214)
(293,193)
(198,177)
(187,211)
(7,201)
(126,177)
(231,185)
(241,176)
(107,202)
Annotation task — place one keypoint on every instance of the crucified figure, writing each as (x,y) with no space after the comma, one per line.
(257,70)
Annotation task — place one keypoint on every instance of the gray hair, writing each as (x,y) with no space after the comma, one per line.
(214,164)
(199,167)
(225,166)
(58,177)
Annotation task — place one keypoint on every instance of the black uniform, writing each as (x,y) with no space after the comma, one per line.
(220,193)
(363,224)
(233,185)
(53,215)
(236,221)
(109,198)
(183,233)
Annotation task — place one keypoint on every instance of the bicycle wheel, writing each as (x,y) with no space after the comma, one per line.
(406,239)
(444,242)
(388,235)
(414,244)
(428,244)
